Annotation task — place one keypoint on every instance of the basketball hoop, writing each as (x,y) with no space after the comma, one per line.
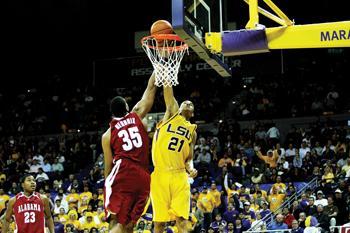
(165,52)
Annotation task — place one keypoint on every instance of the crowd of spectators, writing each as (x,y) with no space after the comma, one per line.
(241,164)
(243,174)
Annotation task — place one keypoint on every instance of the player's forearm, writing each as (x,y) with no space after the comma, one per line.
(150,89)
(107,170)
(189,165)
(51,225)
(170,100)
(147,100)
(108,157)
(150,92)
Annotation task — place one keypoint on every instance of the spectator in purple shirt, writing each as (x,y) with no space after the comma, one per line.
(218,222)
(238,226)
(246,223)
(230,214)
(59,227)
(265,209)
(250,214)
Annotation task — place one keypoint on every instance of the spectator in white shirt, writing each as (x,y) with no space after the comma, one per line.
(204,157)
(347,175)
(47,166)
(303,150)
(346,167)
(61,159)
(290,152)
(283,163)
(282,152)
(260,135)
(297,161)
(58,205)
(41,176)
(40,158)
(343,159)
(57,166)
(307,140)
(329,144)
(318,149)
(34,167)
(320,199)
(202,144)
(62,196)
(273,135)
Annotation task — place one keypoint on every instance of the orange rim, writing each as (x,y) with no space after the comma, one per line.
(172,37)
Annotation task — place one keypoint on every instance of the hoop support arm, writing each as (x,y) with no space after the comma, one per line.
(279,12)
(254,9)
(253,14)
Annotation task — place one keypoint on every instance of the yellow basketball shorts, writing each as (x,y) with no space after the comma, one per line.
(170,195)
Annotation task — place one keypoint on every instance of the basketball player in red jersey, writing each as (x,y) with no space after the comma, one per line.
(30,209)
(125,148)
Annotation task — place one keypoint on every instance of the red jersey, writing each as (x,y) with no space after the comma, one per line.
(29,213)
(129,139)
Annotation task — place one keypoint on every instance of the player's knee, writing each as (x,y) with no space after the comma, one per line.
(159,225)
(112,221)
(129,226)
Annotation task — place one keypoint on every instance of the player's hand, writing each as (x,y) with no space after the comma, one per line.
(193,173)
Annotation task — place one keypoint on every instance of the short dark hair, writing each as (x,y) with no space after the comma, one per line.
(24,177)
(70,225)
(118,106)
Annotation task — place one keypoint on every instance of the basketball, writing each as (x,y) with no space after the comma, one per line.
(161,27)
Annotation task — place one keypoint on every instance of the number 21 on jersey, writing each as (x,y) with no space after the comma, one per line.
(175,144)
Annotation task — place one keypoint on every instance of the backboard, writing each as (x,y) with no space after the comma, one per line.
(191,19)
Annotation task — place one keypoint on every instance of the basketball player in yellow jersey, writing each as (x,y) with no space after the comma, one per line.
(172,153)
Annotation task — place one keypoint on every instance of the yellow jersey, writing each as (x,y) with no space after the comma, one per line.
(171,143)
(206,202)
(276,200)
(3,199)
(217,196)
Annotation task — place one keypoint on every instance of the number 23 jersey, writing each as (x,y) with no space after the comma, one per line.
(29,213)
(171,143)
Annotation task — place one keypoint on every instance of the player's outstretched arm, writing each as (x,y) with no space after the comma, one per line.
(48,216)
(8,214)
(172,107)
(189,163)
(146,102)
(107,152)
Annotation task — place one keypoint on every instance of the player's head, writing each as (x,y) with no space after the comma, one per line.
(119,107)
(28,183)
(187,109)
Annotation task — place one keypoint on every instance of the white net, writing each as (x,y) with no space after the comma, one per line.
(166,55)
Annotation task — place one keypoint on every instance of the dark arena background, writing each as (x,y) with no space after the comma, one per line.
(273,148)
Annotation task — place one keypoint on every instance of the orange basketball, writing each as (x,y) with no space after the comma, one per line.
(161,27)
